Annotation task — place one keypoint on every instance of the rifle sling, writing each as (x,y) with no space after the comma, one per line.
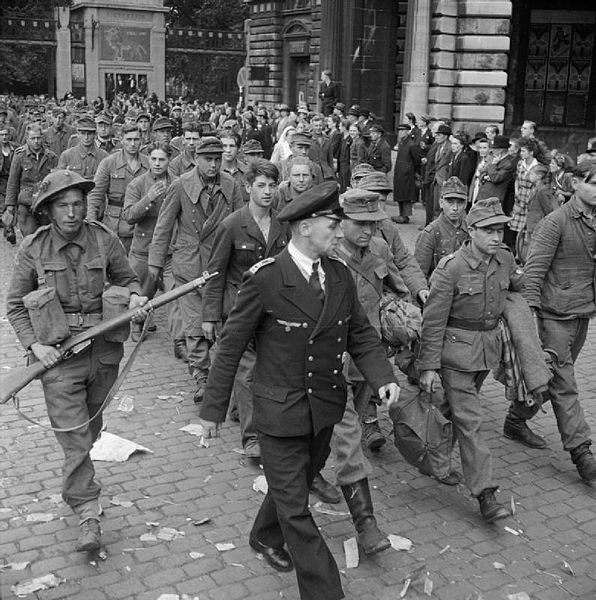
(110,395)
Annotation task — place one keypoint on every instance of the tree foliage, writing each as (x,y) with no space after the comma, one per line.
(24,70)
(221,15)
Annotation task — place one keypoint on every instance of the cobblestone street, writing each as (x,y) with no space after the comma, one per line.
(547,549)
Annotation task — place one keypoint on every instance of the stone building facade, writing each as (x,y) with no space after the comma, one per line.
(474,62)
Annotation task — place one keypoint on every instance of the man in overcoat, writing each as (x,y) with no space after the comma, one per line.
(302,309)
(404,174)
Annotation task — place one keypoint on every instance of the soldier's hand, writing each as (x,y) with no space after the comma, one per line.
(8,217)
(137,301)
(209,330)
(48,356)
(210,429)
(156,190)
(429,381)
(389,392)
(423,295)
(156,274)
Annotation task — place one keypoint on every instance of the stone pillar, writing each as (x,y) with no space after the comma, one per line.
(414,96)
(63,58)
(158,55)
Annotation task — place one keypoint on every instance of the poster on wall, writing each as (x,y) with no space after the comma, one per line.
(124,44)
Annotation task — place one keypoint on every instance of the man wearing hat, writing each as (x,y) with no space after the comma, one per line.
(195,204)
(112,177)
(266,131)
(7,150)
(185,161)
(447,232)
(498,180)
(300,146)
(328,92)
(30,164)
(103,138)
(84,158)
(436,163)
(461,339)
(176,120)
(162,136)
(252,149)
(339,110)
(302,310)
(407,162)
(143,122)
(56,137)
(59,256)
(353,114)
(378,153)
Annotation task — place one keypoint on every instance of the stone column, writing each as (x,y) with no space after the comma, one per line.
(63,58)
(416,62)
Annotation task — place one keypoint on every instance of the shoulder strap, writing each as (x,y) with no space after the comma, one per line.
(102,254)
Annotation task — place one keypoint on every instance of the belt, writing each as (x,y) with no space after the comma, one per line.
(119,203)
(473,325)
(83,320)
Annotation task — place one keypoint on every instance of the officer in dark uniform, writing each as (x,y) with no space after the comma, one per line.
(461,338)
(31,163)
(77,259)
(242,239)
(448,231)
(302,309)
(378,153)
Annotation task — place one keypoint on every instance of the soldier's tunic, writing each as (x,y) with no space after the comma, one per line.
(74,389)
(182,164)
(461,338)
(299,394)
(26,172)
(82,160)
(57,140)
(106,200)
(439,239)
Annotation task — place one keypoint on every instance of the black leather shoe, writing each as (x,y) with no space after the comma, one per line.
(278,558)
(520,432)
(584,461)
(490,509)
(453,478)
(90,537)
(326,492)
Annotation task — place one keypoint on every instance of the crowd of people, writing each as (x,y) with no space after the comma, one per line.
(288,206)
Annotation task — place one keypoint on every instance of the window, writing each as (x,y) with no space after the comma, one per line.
(559,67)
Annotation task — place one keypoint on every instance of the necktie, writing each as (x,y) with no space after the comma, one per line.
(315,282)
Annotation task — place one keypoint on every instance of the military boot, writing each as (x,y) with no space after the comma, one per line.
(516,428)
(584,461)
(90,537)
(370,538)
(490,509)
(371,435)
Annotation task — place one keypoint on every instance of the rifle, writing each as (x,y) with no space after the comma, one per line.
(18,378)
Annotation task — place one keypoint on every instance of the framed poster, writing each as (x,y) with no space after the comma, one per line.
(124,44)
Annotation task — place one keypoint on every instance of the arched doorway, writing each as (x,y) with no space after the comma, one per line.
(297,80)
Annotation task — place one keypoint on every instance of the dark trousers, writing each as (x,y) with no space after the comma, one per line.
(290,464)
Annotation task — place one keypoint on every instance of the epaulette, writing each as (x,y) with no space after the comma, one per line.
(443,262)
(101,225)
(29,239)
(338,259)
(261,263)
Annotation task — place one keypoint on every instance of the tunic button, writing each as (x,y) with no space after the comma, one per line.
(333,387)
(310,358)
(339,322)
(338,356)
(310,342)
(310,374)
(304,324)
(335,371)
(309,390)
(338,340)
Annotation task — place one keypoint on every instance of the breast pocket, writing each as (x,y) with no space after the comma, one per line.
(245,252)
(94,277)
(56,277)
(469,287)
(117,187)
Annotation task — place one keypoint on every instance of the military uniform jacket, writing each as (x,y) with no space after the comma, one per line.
(82,161)
(465,288)
(439,239)
(237,246)
(378,155)
(57,140)
(182,164)
(79,283)
(298,384)
(196,230)
(107,197)
(141,212)
(27,170)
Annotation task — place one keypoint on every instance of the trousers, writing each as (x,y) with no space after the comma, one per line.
(74,390)
(290,464)
(461,404)
(242,395)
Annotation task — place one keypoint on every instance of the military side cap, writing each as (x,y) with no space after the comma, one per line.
(209,145)
(58,181)
(454,188)
(302,138)
(362,169)
(252,147)
(354,110)
(487,212)
(362,205)
(104,117)
(86,124)
(501,141)
(162,123)
(444,129)
(319,201)
(375,182)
